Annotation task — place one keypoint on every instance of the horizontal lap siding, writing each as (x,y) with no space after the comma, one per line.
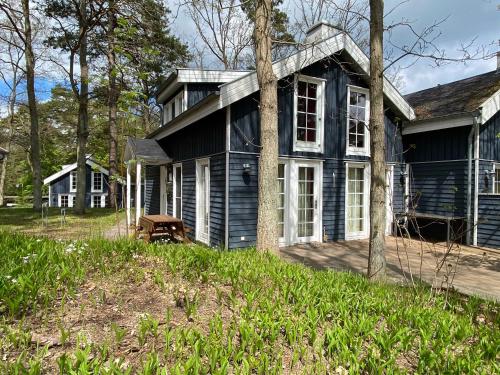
(217,199)
(243,200)
(398,197)
(488,230)
(189,195)
(152,190)
(334,199)
(439,188)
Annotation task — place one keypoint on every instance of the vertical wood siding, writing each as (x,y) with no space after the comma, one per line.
(198,91)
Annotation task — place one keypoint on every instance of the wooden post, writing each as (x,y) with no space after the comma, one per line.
(138,193)
(129,191)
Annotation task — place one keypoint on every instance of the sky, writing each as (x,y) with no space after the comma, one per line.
(467,19)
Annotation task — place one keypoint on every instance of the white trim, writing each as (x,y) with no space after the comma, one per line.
(476,184)
(50,195)
(138,186)
(490,107)
(496,167)
(92,180)
(73,166)
(129,192)
(316,146)
(389,199)
(447,122)
(228,149)
(174,189)
(102,200)
(247,83)
(366,201)
(200,236)
(71,180)
(360,151)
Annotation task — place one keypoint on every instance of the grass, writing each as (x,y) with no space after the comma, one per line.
(92,224)
(125,307)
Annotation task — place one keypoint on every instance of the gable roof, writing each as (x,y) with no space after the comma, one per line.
(454,98)
(68,168)
(247,84)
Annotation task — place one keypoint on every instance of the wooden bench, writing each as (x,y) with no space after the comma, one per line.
(151,225)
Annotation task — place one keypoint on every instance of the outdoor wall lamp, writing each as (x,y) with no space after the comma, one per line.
(246,168)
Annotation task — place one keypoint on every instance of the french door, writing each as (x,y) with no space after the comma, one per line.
(299,201)
(357,200)
(203,200)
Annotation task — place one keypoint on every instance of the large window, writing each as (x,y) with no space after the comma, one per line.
(98,201)
(97,181)
(357,201)
(306,204)
(308,117)
(358,142)
(496,180)
(72,181)
(177,202)
(63,201)
(174,107)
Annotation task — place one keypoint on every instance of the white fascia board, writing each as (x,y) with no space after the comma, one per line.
(437,124)
(490,107)
(247,83)
(71,167)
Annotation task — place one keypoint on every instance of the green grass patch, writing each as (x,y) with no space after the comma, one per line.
(237,312)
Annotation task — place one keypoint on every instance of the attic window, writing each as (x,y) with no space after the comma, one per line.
(72,181)
(358,106)
(308,114)
(174,107)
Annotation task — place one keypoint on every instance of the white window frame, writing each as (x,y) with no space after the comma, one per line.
(285,240)
(180,105)
(102,203)
(174,190)
(496,167)
(59,200)
(200,163)
(320,111)
(366,201)
(360,151)
(72,178)
(93,190)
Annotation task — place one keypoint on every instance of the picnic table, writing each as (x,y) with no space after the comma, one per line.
(170,226)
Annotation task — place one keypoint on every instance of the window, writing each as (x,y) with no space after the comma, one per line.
(308,117)
(72,181)
(281,200)
(496,179)
(306,202)
(174,107)
(358,106)
(98,201)
(63,201)
(96,181)
(73,200)
(177,209)
(357,200)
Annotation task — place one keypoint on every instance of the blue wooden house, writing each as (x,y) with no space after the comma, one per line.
(62,186)
(453,152)
(207,149)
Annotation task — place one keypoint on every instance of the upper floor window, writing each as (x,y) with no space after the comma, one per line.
(97,181)
(308,114)
(72,181)
(496,179)
(174,107)
(358,135)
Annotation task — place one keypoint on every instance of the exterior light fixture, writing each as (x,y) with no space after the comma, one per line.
(246,168)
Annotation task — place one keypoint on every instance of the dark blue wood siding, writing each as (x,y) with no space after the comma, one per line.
(198,91)
(334,175)
(189,195)
(217,200)
(489,142)
(439,188)
(488,230)
(243,200)
(152,190)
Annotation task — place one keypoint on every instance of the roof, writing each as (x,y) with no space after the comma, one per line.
(147,150)
(68,168)
(454,98)
(247,84)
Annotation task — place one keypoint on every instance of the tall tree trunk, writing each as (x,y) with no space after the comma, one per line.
(83,118)
(30,86)
(112,104)
(267,227)
(376,259)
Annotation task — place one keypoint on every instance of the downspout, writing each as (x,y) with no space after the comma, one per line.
(469,185)
(477,123)
(228,148)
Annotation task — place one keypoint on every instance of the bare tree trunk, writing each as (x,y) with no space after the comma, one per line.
(83,118)
(376,259)
(267,227)
(30,85)
(112,104)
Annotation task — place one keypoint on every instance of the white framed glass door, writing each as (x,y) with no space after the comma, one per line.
(203,200)
(357,200)
(299,201)
(389,186)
